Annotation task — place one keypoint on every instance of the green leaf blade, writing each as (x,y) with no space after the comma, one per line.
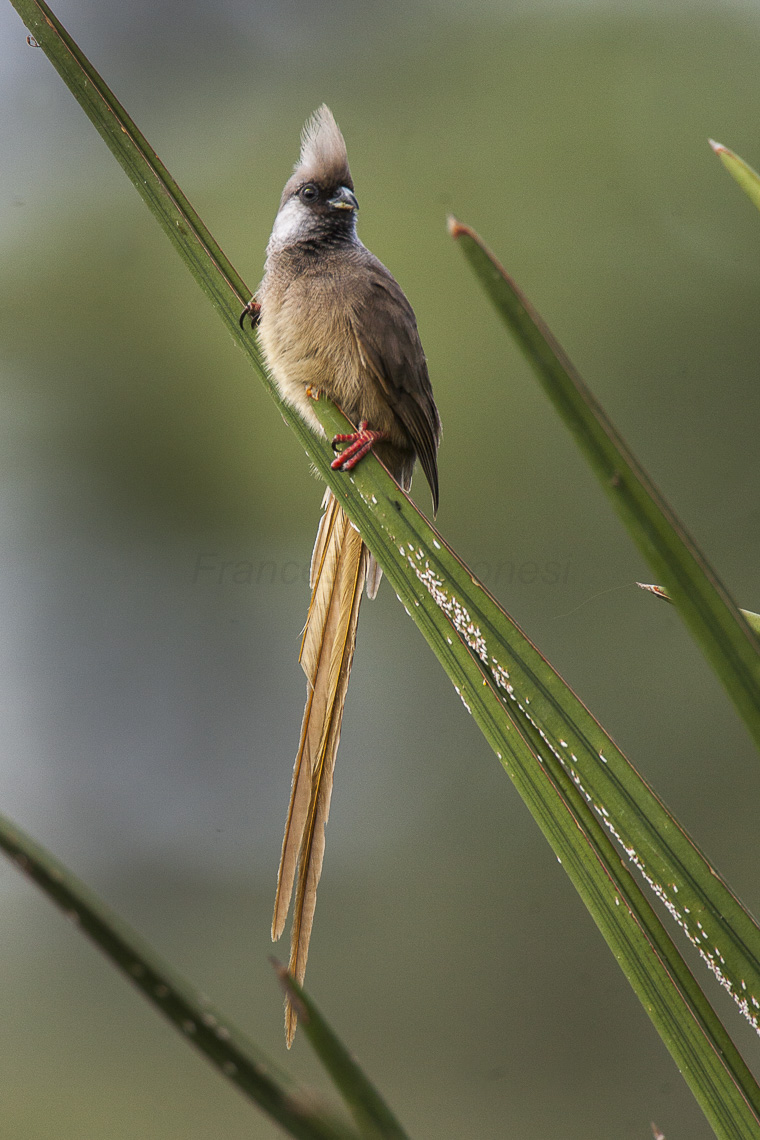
(180,222)
(702,600)
(369,1109)
(578,785)
(208,1030)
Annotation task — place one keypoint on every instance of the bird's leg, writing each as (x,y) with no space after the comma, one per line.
(252,310)
(359,443)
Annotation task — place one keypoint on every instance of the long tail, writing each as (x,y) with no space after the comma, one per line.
(338,569)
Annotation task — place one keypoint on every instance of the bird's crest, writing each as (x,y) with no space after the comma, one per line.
(323,152)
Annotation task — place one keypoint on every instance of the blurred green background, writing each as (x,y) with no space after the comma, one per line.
(150,691)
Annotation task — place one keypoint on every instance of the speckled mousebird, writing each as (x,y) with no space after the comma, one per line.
(332,319)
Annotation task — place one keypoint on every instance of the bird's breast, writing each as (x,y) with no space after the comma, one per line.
(306,331)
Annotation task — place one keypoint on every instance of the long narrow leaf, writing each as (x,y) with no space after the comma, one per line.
(490,662)
(580,789)
(202,1026)
(724,933)
(370,1110)
(704,603)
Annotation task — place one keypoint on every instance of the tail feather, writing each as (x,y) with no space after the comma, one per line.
(339,567)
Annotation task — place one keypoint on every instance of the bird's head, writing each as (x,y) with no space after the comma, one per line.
(318,200)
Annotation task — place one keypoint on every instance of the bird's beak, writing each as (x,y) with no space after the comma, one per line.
(343,199)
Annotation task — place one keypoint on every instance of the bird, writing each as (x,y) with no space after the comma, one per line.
(332,320)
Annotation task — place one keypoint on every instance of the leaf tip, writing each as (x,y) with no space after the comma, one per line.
(658,591)
(724,153)
(456,229)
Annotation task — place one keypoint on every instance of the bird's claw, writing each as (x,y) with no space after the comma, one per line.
(359,444)
(252,310)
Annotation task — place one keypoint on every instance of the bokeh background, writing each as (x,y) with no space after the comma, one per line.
(150,694)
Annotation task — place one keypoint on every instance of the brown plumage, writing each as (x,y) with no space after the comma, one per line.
(332,319)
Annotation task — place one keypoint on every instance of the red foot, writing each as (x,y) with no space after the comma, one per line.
(252,310)
(359,443)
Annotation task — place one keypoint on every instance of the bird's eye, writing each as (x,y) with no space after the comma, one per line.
(309,192)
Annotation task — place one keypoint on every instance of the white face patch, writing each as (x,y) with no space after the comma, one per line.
(292,223)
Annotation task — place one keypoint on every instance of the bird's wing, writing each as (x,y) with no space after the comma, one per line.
(386,332)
